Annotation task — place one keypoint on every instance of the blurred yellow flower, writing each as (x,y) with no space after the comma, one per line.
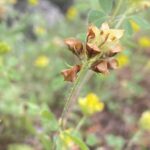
(141,4)
(39,30)
(4,47)
(147,66)
(90,104)
(123,60)
(71,13)
(41,61)
(135,26)
(12,1)
(144,42)
(144,4)
(67,141)
(145,120)
(33,2)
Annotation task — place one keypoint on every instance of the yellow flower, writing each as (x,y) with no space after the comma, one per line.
(144,42)
(71,13)
(33,2)
(135,26)
(39,30)
(67,141)
(90,104)
(4,47)
(145,120)
(41,61)
(123,60)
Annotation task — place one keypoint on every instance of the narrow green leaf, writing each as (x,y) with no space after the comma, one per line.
(96,17)
(128,28)
(49,120)
(47,144)
(143,23)
(106,5)
(77,141)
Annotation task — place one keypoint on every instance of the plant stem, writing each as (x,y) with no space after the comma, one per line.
(117,9)
(73,91)
(136,136)
(81,123)
(122,18)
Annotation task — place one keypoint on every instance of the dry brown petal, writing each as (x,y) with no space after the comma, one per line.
(114,51)
(71,74)
(92,50)
(90,33)
(101,67)
(113,64)
(74,45)
(2,12)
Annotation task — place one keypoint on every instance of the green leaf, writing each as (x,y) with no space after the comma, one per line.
(91,140)
(116,142)
(58,142)
(143,23)
(19,147)
(128,28)
(49,120)
(81,36)
(77,141)
(96,17)
(47,144)
(106,5)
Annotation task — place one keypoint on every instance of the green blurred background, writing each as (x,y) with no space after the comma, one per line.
(32,55)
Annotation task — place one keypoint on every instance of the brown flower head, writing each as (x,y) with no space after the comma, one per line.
(103,39)
(97,52)
(71,74)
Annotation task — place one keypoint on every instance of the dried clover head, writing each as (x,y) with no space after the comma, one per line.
(100,47)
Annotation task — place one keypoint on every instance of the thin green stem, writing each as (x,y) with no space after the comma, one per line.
(80,123)
(135,137)
(117,9)
(122,18)
(73,90)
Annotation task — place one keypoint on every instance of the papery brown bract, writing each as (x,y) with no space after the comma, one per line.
(92,50)
(90,33)
(112,64)
(71,74)
(75,46)
(101,67)
(113,51)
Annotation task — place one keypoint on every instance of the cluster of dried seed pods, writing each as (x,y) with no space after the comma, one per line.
(100,47)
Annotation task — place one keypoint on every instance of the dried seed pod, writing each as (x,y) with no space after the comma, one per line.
(71,74)
(75,46)
(113,64)
(101,67)
(92,50)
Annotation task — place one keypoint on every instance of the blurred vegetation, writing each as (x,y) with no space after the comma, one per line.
(32,54)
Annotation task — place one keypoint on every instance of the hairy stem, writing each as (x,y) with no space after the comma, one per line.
(117,9)
(81,123)
(72,93)
(136,136)
(122,18)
